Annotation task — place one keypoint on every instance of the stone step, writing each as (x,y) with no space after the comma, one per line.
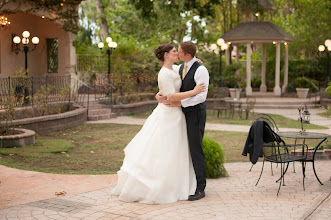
(93,112)
(98,117)
(95,107)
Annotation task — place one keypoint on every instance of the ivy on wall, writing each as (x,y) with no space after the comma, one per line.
(66,11)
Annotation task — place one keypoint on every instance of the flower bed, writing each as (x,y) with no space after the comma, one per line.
(55,122)
(21,137)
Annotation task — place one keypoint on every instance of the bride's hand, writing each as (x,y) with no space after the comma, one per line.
(160,98)
(199,88)
(199,61)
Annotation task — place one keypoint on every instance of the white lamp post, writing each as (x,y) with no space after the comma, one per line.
(25,41)
(111,48)
(327,49)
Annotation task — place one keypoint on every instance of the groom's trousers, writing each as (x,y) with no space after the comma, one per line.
(195,122)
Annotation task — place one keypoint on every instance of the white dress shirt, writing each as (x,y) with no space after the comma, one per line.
(201,76)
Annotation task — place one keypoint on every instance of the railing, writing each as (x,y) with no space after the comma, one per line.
(33,90)
(85,94)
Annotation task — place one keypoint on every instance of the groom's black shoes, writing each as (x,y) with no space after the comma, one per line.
(198,195)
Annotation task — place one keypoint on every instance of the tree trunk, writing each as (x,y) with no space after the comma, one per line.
(104,32)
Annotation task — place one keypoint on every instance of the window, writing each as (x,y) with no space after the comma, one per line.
(52,55)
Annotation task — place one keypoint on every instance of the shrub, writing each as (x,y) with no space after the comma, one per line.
(214,158)
(256,82)
(301,82)
(230,78)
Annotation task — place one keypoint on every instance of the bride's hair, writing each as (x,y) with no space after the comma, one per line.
(161,50)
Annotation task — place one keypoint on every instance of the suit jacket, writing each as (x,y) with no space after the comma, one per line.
(259,133)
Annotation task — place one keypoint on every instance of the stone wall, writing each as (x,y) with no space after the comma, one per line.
(51,123)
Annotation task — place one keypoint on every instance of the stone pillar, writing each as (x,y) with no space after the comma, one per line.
(277,90)
(285,68)
(248,70)
(237,57)
(71,56)
(263,87)
(227,56)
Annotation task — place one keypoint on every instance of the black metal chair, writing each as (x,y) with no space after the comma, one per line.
(219,102)
(278,152)
(271,123)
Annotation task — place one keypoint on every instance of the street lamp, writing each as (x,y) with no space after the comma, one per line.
(111,48)
(223,47)
(26,48)
(321,48)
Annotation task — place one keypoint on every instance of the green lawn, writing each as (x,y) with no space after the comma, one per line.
(282,122)
(98,148)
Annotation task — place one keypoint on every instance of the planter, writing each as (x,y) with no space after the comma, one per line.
(22,138)
(51,123)
(235,92)
(302,92)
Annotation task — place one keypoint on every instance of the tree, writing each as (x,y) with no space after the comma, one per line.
(104,32)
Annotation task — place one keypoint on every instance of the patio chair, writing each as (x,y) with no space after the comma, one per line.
(249,106)
(280,153)
(271,123)
(273,147)
(219,103)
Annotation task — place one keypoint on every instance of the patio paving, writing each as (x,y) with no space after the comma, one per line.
(232,197)
(31,195)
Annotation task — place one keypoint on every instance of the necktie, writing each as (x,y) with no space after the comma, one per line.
(184,71)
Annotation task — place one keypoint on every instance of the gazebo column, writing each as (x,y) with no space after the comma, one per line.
(263,87)
(277,90)
(248,70)
(237,56)
(227,55)
(285,68)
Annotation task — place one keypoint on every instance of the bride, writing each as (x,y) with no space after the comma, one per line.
(157,167)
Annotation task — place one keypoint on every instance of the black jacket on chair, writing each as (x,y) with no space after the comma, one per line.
(259,133)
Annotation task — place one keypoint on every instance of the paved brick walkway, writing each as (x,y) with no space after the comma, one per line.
(233,197)
(30,195)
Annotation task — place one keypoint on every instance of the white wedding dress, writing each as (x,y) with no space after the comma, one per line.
(157,167)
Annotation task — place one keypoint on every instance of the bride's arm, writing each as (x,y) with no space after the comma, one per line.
(183,95)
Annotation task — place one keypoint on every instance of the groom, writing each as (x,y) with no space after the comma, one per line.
(194,108)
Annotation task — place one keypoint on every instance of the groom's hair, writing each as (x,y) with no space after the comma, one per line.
(188,48)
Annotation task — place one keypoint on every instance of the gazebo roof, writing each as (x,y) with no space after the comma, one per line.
(265,32)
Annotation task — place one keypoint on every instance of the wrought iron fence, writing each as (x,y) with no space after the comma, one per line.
(84,94)
(33,90)
(28,91)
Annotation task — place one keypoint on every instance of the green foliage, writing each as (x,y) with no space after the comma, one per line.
(256,82)
(214,158)
(307,21)
(211,62)
(328,90)
(301,82)
(230,78)
(15,97)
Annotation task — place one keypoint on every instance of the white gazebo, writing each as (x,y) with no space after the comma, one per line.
(258,29)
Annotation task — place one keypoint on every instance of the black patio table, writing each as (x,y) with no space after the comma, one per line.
(234,102)
(304,136)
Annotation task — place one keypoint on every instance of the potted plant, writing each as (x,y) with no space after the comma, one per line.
(302,84)
(231,79)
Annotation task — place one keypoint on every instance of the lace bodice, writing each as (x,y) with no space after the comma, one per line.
(169,81)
